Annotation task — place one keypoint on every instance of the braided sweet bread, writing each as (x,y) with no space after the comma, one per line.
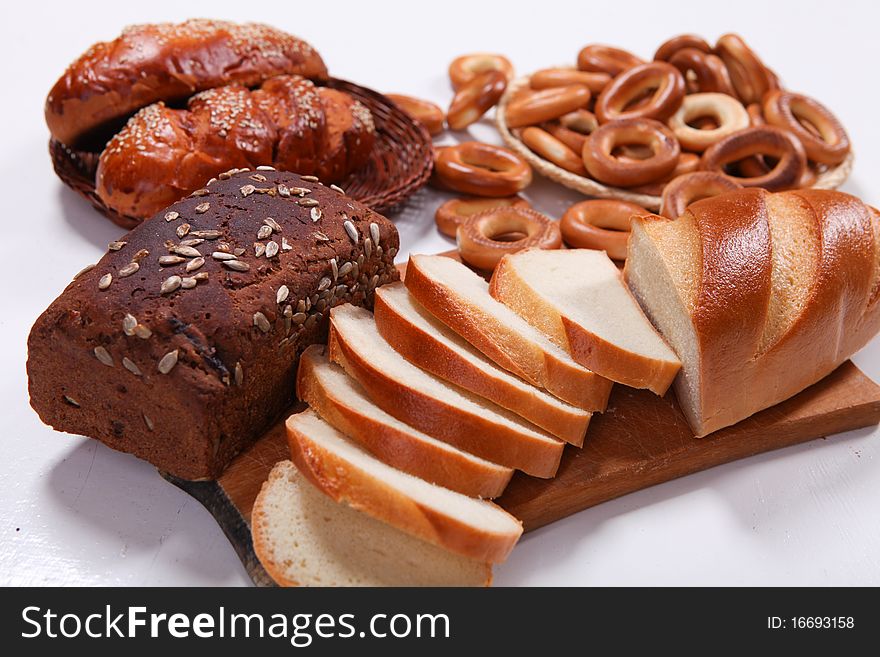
(163,154)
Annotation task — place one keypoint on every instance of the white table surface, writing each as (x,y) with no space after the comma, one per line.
(76,512)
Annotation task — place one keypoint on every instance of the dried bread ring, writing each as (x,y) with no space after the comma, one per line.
(750,77)
(674,45)
(709,72)
(606,59)
(478,236)
(563,77)
(482,169)
(606,168)
(475,98)
(601,224)
(680,192)
(763,140)
(422,111)
(550,148)
(451,213)
(465,68)
(829,144)
(664,79)
(727,111)
(545,105)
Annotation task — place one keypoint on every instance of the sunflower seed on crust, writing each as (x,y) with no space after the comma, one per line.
(350,230)
(195,263)
(169,260)
(308,202)
(200,192)
(192,242)
(247,190)
(130,365)
(167,362)
(129,324)
(104,356)
(272,249)
(271,223)
(148,421)
(283,190)
(105,281)
(128,270)
(239,374)
(310,178)
(171,216)
(323,284)
(201,276)
(182,230)
(265,167)
(261,322)
(316,214)
(374,232)
(337,188)
(206,234)
(288,311)
(170,284)
(368,247)
(143,332)
(84,270)
(299,318)
(186,251)
(264,233)
(321,237)
(188,283)
(236,265)
(285,245)
(115,246)
(334,268)
(239,251)
(71,401)
(282,294)
(202,208)
(259,177)
(222,255)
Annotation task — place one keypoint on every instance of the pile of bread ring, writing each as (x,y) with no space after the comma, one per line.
(694,122)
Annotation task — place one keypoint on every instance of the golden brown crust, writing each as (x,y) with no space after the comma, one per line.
(424,350)
(471,433)
(366,493)
(564,378)
(169,62)
(749,359)
(163,154)
(398,448)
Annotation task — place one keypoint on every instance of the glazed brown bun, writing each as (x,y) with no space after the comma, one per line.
(163,154)
(168,62)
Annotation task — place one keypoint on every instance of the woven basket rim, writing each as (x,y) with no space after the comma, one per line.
(406,141)
(830,179)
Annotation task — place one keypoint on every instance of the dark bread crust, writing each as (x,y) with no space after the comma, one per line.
(170,62)
(162,153)
(232,378)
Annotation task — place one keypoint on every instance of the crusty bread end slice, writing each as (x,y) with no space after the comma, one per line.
(434,406)
(460,299)
(473,528)
(425,341)
(304,538)
(578,298)
(342,402)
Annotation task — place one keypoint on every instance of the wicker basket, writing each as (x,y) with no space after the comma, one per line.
(830,179)
(400,163)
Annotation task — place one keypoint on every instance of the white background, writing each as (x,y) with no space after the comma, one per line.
(75,512)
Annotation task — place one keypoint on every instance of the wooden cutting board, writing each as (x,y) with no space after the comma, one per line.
(639,441)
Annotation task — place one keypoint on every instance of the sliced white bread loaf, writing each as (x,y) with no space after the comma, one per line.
(304,538)
(434,406)
(578,298)
(423,340)
(473,528)
(460,299)
(342,402)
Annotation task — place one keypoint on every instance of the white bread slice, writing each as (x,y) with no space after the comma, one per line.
(303,538)
(420,338)
(343,403)
(428,403)
(473,528)
(460,299)
(579,299)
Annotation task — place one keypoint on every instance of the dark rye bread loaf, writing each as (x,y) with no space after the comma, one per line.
(181,344)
